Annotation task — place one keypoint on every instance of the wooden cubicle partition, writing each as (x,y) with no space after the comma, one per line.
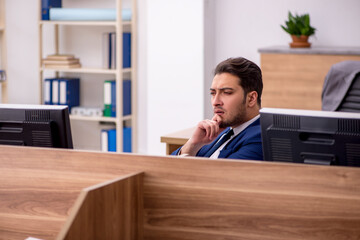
(183,198)
(110,210)
(294,78)
(50,196)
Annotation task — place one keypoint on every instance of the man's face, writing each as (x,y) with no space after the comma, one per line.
(228,100)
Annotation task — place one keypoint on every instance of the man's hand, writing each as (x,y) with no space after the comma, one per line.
(205,132)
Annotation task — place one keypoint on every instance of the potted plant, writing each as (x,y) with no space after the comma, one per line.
(299,28)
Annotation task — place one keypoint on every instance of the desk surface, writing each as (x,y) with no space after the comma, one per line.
(177,139)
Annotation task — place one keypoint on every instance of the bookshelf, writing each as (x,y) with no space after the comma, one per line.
(119,74)
(3,60)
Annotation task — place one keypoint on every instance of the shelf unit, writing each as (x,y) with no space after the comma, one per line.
(3,58)
(119,27)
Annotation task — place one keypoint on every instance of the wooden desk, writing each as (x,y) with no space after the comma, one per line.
(293,78)
(177,139)
(175,198)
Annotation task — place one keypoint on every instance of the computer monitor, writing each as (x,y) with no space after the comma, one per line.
(314,137)
(35,125)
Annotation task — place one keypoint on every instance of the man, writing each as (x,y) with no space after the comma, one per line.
(234,131)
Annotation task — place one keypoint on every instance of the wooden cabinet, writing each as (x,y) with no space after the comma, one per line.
(3,60)
(293,78)
(118,26)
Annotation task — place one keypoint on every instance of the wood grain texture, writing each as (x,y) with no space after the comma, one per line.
(296,80)
(112,210)
(196,198)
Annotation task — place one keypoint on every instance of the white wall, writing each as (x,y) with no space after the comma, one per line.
(175,60)
(22,51)
(176,48)
(242,27)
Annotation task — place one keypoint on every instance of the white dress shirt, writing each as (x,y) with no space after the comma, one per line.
(236,130)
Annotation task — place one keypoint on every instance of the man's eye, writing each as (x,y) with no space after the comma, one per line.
(228,93)
(212,93)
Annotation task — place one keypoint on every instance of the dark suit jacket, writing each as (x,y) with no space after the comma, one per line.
(246,145)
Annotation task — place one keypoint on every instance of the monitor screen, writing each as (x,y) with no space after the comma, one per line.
(314,137)
(35,125)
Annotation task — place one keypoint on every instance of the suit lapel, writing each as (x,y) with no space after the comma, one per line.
(228,149)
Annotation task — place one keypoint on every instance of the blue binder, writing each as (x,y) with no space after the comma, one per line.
(45,7)
(126,50)
(127,139)
(48,88)
(126,98)
(110,56)
(108,140)
(69,92)
(112,140)
(113,99)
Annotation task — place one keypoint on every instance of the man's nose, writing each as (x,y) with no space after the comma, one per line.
(216,101)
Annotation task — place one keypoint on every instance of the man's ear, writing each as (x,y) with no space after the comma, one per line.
(252,98)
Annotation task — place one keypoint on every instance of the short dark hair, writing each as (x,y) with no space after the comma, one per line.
(248,72)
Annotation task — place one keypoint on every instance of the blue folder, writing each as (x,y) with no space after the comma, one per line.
(48,89)
(69,92)
(126,98)
(127,139)
(111,51)
(111,139)
(46,5)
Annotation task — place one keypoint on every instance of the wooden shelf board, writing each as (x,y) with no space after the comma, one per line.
(87,70)
(98,119)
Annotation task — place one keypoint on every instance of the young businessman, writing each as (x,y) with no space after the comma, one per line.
(234,130)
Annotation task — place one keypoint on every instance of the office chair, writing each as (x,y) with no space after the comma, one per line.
(351,101)
(341,89)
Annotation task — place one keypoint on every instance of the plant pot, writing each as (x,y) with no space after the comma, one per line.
(300,42)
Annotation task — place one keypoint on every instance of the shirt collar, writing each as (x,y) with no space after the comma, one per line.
(240,128)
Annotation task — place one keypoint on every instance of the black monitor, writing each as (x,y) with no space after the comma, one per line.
(35,125)
(314,137)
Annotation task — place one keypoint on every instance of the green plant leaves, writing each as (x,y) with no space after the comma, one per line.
(298,25)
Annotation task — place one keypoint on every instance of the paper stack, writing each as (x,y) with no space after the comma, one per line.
(61,61)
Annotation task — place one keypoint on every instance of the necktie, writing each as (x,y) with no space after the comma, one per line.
(226,136)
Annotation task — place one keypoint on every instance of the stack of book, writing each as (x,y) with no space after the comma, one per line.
(61,61)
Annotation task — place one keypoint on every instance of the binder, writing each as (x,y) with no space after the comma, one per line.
(107,98)
(69,91)
(127,139)
(126,97)
(48,91)
(113,99)
(45,7)
(126,50)
(55,92)
(112,140)
(109,50)
(106,50)
(104,140)
(110,98)
(112,50)
(108,140)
